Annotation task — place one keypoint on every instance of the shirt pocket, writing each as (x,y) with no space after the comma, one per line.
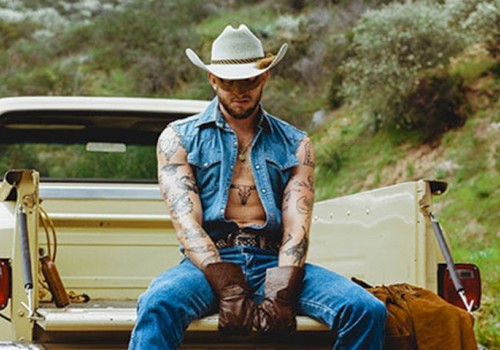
(207,171)
(279,171)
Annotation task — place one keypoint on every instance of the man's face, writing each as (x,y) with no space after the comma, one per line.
(239,98)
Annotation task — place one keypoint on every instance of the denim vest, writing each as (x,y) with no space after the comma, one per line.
(212,148)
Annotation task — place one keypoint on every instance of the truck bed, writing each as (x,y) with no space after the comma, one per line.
(113,239)
(111,321)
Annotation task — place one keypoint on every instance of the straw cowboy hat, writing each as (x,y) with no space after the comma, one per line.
(237,54)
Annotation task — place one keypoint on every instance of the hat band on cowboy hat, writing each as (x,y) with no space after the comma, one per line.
(236,54)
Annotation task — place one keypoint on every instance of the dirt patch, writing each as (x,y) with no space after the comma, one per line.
(422,162)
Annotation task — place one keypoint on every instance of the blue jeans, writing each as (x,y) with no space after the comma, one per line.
(181,294)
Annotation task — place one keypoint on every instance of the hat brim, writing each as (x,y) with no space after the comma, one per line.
(235,71)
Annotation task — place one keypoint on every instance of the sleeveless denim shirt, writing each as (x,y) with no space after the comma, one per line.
(212,148)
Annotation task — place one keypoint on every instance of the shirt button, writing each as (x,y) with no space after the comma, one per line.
(236,143)
(222,210)
(264,190)
(205,165)
(257,167)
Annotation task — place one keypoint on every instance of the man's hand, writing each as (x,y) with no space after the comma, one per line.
(235,305)
(276,314)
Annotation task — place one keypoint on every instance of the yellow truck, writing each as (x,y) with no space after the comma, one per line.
(68,196)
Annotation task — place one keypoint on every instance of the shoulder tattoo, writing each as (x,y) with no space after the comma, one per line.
(168,146)
(309,155)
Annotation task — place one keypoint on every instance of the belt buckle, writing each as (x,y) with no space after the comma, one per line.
(241,238)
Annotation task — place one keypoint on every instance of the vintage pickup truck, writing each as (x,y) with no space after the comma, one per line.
(69,195)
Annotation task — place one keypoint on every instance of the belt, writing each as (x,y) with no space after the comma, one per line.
(245,238)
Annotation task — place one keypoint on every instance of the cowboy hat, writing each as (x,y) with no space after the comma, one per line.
(237,54)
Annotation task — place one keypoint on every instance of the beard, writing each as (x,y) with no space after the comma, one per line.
(243,114)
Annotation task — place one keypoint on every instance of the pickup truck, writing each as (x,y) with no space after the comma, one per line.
(80,188)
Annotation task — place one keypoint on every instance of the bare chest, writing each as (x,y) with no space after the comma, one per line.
(244,205)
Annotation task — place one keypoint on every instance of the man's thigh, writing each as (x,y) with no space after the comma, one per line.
(326,295)
(182,287)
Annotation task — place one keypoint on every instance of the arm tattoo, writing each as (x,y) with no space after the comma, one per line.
(299,250)
(209,250)
(244,192)
(309,161)
(168,147)
(211,259)
(286,199)
(309,185)
(202,249)
(304,205)
(170,169)
(163,177)
(187,182)
(193,233)
(181,205)
(288,239)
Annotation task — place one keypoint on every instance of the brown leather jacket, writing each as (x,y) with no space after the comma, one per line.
(420,319)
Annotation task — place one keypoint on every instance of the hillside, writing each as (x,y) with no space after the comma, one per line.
(136,48)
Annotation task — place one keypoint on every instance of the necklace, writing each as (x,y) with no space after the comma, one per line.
(242,154)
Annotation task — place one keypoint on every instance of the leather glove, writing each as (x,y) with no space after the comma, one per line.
(235,305)
(276,314)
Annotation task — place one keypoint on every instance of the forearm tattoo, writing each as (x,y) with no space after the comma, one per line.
(209,250)
(244,191)
(298,251)
(193,233)
(180,205)
(288,239)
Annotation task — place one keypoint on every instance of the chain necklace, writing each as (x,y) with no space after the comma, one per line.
(242,154)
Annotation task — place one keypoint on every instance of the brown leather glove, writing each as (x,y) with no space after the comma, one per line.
(235,305)
(276,314)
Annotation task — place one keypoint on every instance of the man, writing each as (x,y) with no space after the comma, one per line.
(238,184)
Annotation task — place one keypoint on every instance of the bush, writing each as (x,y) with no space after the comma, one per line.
(12,32)
(436,104)
(478,19)
(148,39)
(394,49)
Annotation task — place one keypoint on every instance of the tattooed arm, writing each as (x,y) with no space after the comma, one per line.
(298,200)
(179,190)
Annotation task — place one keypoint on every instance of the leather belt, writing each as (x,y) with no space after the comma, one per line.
(245,238)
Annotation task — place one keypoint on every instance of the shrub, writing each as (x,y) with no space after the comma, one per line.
(478,19)
(393,50)
(147,38)
(10,32)
(436,104)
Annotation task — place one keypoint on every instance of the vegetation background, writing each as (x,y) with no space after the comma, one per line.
(389,91)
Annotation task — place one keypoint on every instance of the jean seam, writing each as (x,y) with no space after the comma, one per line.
(324,309)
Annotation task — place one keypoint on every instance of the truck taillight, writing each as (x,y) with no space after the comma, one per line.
(471,280)
(5,282)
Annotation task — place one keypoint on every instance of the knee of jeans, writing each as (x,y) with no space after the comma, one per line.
(374,310)
(143,300)
(379,310)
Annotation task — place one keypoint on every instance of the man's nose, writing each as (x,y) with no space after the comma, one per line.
(239,88)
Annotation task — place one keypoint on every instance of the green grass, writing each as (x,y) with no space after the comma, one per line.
(351,158)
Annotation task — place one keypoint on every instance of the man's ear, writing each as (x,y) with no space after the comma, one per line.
(212,80)
(265,76)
